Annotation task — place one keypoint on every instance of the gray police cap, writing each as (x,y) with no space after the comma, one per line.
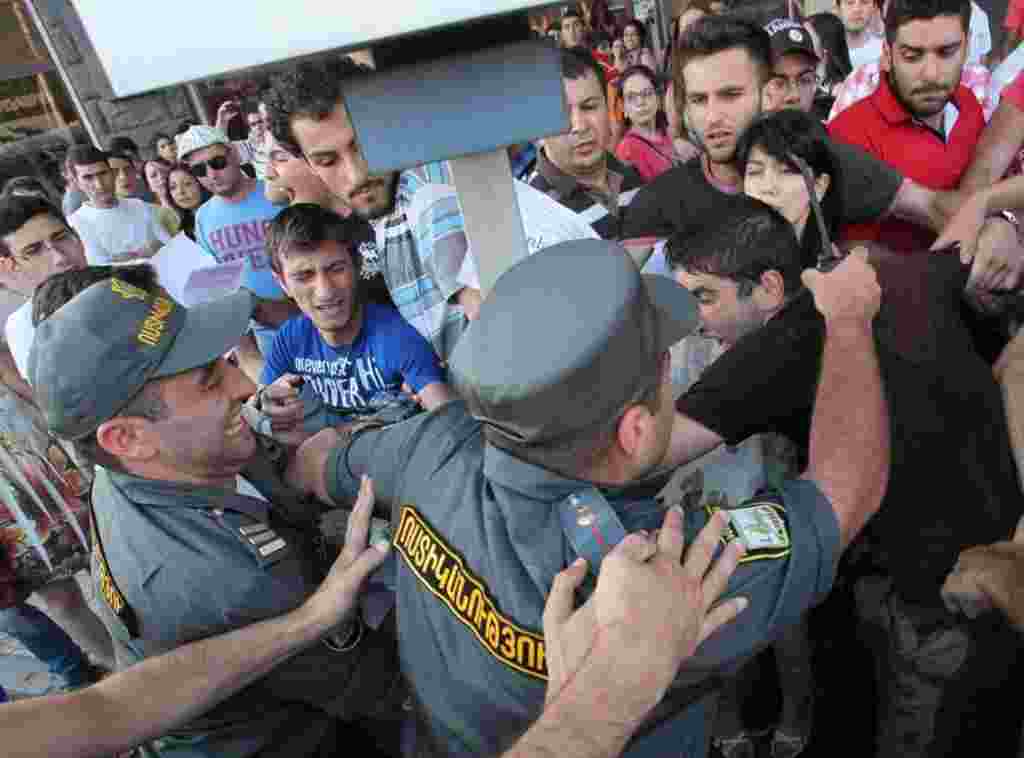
(566,339)
(92,355)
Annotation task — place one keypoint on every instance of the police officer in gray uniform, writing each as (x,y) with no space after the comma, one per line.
(565,419)
(195,533)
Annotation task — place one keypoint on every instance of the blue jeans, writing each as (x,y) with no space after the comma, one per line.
(47,642)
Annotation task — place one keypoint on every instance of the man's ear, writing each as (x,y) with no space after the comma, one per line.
(635,427)
(770,292)
(126,437)
(885,62)
(281,282)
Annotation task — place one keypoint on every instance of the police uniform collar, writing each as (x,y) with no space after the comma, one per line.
(539,483)
(164,494)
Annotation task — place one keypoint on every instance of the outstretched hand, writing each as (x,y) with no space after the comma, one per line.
(849,293)
(335,599)
(648,614)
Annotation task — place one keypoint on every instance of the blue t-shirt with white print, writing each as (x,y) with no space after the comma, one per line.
(236,231)
(360,378)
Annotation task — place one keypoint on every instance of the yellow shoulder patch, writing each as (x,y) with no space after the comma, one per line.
(443,571)
(762,527)
(108,587)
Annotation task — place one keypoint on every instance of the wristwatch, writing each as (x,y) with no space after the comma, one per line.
(1008,216)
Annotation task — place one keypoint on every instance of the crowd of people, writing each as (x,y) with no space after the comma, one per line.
(362,502)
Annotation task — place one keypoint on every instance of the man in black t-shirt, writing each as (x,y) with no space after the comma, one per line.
(722,64)
(952,484)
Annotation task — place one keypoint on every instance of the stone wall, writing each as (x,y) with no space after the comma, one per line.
(138,117)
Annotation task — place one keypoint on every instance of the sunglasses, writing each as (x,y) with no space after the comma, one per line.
(219,163)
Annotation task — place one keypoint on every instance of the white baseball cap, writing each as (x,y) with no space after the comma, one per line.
(198,137)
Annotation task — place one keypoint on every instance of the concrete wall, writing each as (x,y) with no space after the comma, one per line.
(137,117)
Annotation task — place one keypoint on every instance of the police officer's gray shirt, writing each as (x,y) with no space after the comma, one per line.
(192,562)
(479,542)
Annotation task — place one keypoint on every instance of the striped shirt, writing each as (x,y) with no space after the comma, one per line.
(421,245)
(602,212)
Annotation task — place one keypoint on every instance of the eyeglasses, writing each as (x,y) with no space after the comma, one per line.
(636,98)
(217,163)
(779,85)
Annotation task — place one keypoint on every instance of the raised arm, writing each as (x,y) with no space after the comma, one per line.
(849,446)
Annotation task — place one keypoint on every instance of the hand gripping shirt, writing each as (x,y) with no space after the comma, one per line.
(478,541)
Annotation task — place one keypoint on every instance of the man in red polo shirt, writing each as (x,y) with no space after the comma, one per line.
(920,120)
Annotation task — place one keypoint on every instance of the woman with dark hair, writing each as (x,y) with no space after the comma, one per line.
(634,38)
(155,173)
(186,194)
(765,155)
(830,38)
(647,144)
(164,148)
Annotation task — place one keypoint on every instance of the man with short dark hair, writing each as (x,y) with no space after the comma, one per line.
(112,229)
(256,143)
(576,168)
(552,452)
(572,30)
(353,354)
(921,120)
(127,165)
(195,534)
(37,243)
(939,677)
(127,181)
(864,44)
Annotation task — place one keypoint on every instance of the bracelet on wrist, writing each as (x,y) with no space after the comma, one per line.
(346,639)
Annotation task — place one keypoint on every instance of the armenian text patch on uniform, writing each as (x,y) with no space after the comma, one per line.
(761,526)
(444,572)
(108,588)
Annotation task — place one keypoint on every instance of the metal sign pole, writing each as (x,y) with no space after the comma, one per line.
(490,211)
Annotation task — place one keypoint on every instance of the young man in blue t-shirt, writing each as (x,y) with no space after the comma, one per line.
(355,355)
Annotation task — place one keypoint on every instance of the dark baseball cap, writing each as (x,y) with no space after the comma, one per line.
(94,354)
(567,339)
(789,36)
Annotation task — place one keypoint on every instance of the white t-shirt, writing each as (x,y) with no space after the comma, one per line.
(546,222)
(869,52)
(119,233)
(19,333)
